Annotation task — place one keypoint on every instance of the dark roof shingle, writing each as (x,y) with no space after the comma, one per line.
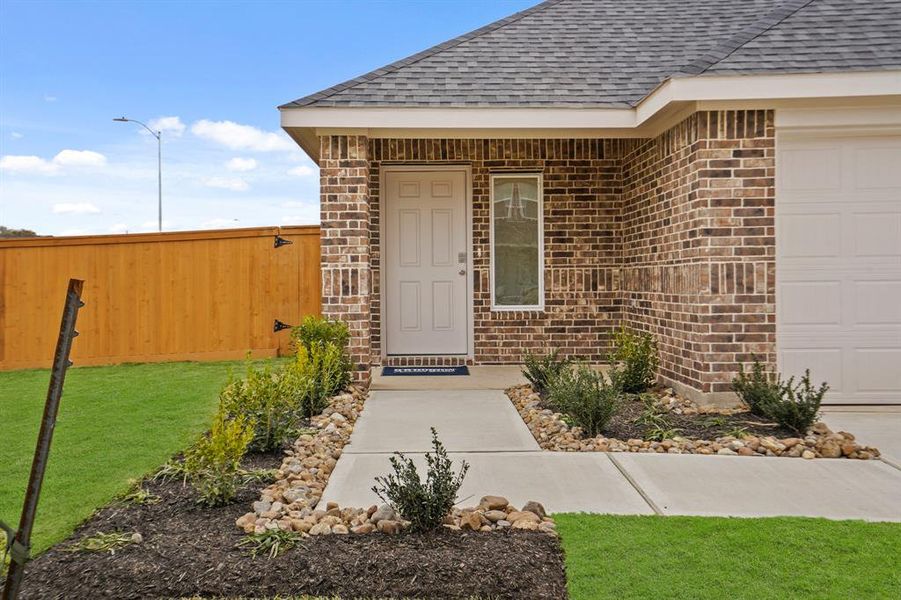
(612,53)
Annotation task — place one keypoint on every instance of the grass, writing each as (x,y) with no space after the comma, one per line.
(701,557)
(115,424)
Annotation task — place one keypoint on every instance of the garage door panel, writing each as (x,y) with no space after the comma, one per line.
(838,255)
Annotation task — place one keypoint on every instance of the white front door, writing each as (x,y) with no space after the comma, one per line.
(838,263)
(425,262)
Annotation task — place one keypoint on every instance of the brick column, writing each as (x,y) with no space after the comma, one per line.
(344,212)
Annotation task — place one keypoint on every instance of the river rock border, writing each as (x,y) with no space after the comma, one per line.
(552,433)
(291,502)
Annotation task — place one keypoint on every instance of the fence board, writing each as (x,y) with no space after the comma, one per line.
(205,295)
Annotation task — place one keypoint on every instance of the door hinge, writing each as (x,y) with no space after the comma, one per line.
(278,326)
(280,241)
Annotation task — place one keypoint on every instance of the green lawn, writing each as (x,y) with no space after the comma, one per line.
(701,557)
(115,423)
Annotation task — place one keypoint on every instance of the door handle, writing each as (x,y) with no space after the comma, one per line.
(462,271)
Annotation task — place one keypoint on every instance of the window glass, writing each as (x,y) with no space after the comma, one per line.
(516,235)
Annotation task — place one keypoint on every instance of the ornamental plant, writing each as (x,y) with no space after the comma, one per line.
(637,357)
(315,375)
(424,503)
(541,370)
(263,397)
(793,406)
(213,463)
(316,329)
(588,397)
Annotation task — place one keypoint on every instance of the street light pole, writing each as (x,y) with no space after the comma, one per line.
(159,164)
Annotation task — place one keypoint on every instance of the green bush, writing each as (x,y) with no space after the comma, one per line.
(213,464)
(315,375)
(263,397)
(315,329)
(757,389)
(424,504)
(636,354)
(587,397)
(541,370)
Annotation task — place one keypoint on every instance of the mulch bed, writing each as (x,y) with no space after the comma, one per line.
(627,424)
(189,550)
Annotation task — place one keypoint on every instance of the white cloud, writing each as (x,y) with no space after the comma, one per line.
(16,135)
(75,232)
(241,164)
(171,125)
(235,184)
(118,228)
(240,137)
(302,171)
(26,164)
(65,158)
(75,208)
(49,98)
(155,225)
(79,158)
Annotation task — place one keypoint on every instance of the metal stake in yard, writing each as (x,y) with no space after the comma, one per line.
(20,541)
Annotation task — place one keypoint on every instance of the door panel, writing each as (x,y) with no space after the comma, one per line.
(425,292)
(838,271)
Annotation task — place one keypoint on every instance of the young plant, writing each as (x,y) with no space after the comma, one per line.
(587,397)
(636,354)
(271,542)
(213,464)
(541,370)
(137,494)
(261,398)
(319,330)
(795,407)
(655,420)
(315,375)
(423,503)
(103,542)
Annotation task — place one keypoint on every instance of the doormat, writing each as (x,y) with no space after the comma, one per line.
(424,371)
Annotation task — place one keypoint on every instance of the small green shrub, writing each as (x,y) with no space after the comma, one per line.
(213,464)
(261,397)
(319,330)
(757,389)
(424,504)
(655,419)
(587,396)
(796,407)
(315,375)
(636,354)
(102,542)
(541,370)
(271,542)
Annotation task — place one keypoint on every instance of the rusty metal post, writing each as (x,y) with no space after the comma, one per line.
(21,542)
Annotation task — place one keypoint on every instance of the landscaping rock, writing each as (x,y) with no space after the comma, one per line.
(535,507)
(493,502)
(383,513)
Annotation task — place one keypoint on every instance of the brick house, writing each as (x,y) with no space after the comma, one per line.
(725,174)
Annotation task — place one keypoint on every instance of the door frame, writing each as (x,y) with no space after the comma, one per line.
(466,169)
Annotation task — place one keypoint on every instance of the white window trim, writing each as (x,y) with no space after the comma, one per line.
(540,181)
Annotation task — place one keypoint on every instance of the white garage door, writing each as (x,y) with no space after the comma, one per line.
(838,263)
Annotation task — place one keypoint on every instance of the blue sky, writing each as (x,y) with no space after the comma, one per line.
(210,74)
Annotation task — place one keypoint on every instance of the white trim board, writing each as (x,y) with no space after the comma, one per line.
(649,117)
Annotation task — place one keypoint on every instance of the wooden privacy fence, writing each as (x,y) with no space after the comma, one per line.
(200,295)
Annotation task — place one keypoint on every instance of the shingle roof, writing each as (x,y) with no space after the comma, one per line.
(612,53)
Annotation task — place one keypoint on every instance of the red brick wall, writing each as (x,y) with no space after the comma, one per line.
(699,244)
(345,244)
(582,188)
(672,235)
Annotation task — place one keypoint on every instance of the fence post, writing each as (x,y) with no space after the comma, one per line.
(20,544)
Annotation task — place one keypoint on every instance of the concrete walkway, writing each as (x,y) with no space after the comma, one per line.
(482,428)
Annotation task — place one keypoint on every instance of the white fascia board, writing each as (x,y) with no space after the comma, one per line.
(738,88)
(457,118)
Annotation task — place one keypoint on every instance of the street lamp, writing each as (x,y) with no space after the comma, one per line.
(159,163)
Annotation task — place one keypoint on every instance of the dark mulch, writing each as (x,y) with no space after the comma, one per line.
(189,550)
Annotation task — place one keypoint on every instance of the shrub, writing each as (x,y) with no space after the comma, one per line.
(756,389)
(213,464)
(795,407)
(262,398)
(315,329)
(587,397)
(636,353)
(315,375)
(271,542)
(424,504)
(542,370)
